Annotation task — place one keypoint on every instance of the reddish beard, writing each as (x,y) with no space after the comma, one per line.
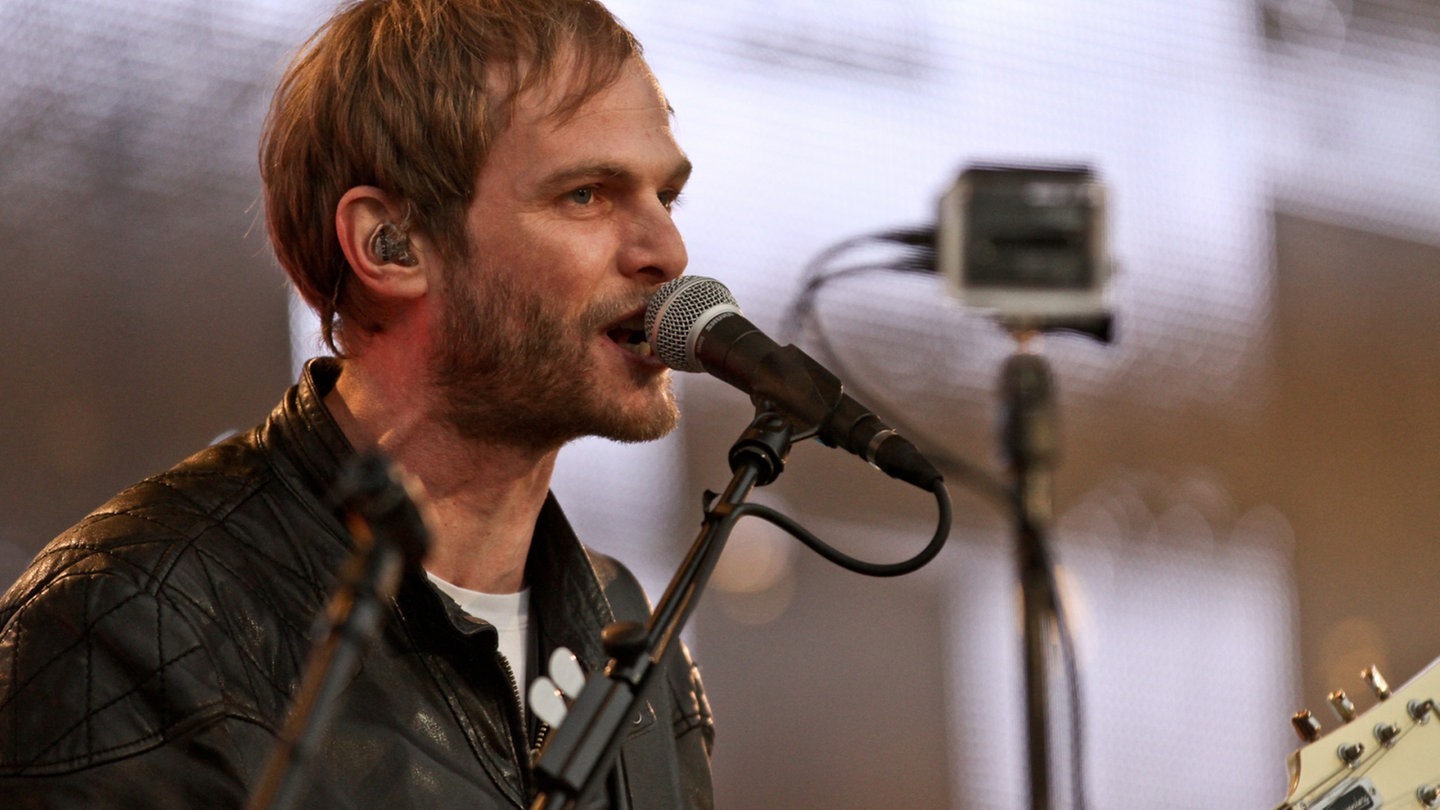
(510,369)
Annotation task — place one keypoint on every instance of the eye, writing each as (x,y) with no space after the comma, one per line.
(669,199)
(583,196)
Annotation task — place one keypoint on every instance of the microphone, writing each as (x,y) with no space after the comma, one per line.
(694,324)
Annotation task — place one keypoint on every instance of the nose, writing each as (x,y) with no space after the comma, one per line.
(656,250)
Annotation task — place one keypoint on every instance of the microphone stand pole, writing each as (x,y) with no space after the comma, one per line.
(1029,436)
(577,754)
(389,535)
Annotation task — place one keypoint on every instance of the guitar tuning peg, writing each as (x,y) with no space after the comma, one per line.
(1386,733)
(1344,708)
(547,701)
(565,671)
(1377,683)
(1306,726)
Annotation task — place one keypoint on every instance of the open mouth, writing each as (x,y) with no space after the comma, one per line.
(629,334)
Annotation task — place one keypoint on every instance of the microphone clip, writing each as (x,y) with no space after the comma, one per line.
(765,444)
(790,382)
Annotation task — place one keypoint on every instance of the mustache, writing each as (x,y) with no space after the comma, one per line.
(603,314)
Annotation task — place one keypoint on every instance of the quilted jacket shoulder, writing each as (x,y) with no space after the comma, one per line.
(104,627)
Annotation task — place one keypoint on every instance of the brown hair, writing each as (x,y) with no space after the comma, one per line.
(407,95)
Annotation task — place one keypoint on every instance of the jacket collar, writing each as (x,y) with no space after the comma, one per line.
(302,429)
(567,597)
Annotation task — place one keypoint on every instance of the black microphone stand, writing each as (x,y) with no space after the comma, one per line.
(1030,443)
(388,535)
(578,753)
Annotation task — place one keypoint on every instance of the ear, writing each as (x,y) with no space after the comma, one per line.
(387,275)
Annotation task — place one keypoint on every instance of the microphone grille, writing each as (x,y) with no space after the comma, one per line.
(676,308)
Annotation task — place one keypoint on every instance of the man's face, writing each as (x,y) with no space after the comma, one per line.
(570,232)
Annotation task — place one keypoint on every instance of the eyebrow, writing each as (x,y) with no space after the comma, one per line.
(565,177)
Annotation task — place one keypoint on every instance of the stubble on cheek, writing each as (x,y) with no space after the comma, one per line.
(511,369)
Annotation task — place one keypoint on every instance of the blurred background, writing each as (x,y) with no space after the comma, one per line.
(1249,495)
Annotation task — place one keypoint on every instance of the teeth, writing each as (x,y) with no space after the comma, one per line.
(629,334)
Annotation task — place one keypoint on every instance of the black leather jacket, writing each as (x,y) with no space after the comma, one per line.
(149,654)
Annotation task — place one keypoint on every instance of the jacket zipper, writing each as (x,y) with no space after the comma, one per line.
(519,706)
(541,732)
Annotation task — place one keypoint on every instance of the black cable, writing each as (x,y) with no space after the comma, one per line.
(1071,667)
(1072,678)
(920,258)
(840,558)
(971,475)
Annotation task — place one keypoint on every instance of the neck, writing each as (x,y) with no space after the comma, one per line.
(482,498)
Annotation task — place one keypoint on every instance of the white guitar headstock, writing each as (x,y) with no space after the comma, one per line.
(1387,757)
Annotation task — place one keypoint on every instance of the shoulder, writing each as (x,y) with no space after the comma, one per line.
(621,588)
(211,518)
(153,615)
(140,534)
(692,724)
(691,709)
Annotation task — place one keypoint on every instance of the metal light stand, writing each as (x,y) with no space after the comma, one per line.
(1029,437)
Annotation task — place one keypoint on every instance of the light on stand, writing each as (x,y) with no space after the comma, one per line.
(1027,245)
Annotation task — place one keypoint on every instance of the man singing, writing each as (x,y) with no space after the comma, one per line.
(475,197)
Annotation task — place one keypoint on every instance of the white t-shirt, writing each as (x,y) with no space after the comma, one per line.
(510,615)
